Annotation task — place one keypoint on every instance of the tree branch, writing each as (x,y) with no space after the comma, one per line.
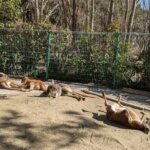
(50,13)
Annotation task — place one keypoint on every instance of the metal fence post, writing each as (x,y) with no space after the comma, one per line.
(116,52)
(48,55)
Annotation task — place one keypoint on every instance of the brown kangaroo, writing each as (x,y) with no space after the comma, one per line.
(33,84)
(9,84)
(125,116)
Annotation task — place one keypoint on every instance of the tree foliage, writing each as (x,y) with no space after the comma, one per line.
(10,10)
(89,15)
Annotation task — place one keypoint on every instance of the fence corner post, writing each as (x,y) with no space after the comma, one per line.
(48,55)
(116,52)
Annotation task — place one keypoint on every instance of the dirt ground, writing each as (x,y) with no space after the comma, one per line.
(29,122)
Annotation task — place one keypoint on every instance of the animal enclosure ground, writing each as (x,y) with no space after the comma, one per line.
(29,122)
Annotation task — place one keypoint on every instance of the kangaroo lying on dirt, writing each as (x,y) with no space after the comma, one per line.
(9,84)
(33,84)
(56,90)
(125,116)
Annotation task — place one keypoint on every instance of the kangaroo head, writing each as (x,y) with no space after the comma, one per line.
(52,90)
(25,78)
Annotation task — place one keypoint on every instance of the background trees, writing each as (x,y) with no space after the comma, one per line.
(10,10)
(83,15)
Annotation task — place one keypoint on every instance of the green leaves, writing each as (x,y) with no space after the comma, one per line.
(10,10)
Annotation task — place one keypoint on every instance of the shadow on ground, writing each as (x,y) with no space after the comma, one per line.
(73,131)
(21,132)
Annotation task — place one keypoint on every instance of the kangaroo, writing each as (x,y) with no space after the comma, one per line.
(9,84)
(125,116)
(56,90)
(53,90)
(33,84)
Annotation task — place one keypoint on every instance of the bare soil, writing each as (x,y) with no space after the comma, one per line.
(29,122)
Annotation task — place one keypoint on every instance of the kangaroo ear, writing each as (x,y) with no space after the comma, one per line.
(119,98)
(103,94)
(53,82)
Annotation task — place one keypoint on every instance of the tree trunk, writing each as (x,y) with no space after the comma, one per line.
(148,19)
(126,15)
(64,18)
(37,12)
(87,16)
(42,7)
(131,18)
(111,11)
(74,16)
(147,22)
(92,16)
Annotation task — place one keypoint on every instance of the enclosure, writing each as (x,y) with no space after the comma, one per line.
(112,59)
(29,122)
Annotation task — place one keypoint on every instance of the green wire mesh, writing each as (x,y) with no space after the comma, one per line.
(103,58)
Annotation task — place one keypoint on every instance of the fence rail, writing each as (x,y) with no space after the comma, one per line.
(105,58)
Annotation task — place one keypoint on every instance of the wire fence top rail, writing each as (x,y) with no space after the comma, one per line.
(74,32)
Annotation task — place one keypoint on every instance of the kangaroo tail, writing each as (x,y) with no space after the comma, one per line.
(85,95)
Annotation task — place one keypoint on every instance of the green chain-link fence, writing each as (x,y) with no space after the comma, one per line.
(134,61)
(82,57)
(23,51)
(105,58)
